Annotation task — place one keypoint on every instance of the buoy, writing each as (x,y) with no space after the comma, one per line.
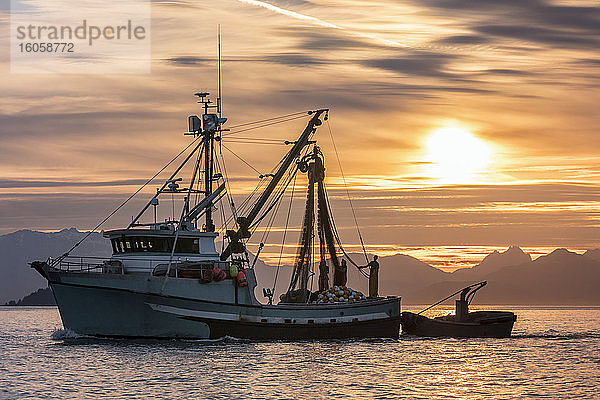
(241,279)
(233,271)
(219,274)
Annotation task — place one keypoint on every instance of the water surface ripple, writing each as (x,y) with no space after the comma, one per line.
(554,354)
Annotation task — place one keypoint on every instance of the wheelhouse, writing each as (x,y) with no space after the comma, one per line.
(159,241)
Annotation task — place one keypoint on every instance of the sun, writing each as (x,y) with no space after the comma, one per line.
(455,155)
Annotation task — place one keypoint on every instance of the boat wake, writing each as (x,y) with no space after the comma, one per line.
(67,334)
(224,340)
(549,335)
(556,335)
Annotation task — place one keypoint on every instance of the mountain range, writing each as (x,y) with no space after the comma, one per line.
(560,277)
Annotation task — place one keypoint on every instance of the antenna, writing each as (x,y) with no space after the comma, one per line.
(220,98)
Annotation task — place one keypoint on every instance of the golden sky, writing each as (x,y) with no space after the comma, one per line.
(457,122)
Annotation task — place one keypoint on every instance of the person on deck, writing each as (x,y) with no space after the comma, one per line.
(340,277)
(373,277)
(323,276)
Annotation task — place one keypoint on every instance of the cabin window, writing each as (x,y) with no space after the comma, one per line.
(142,245)
(154,244)
(186,246)
(118,246)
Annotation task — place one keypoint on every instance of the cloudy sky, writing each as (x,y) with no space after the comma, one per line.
(458,123)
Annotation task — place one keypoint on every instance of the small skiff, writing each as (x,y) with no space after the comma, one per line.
(496,324)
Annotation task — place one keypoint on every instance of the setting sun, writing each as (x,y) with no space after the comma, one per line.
(455,155)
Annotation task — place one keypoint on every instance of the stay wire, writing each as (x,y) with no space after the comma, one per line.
(282,187)
(247,141)
(338,240)
(262,126)
(287,220)
(223,227)
(229,194)
(362,243)
(267,119)
(242,160)
(125,202)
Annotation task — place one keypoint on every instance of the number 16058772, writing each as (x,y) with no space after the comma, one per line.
(50,47)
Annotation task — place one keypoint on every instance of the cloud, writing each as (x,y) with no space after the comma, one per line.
(594,62)
(554,37)
(421,64)
(462,40)
(190,60)
(531,214)
(315,41)
(12,183)
(496,66)
(531,20)
(293,59)
(505,71)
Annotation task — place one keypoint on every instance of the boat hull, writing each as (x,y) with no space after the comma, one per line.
(497,325)
(119,312)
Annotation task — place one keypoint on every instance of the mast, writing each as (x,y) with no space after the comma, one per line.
(209,142)
(220,94)
(211,124)
(314,166)
(208,176)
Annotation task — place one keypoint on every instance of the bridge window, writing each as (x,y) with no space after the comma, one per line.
(154,244)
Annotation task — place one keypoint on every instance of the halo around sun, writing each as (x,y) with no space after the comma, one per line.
(455,155)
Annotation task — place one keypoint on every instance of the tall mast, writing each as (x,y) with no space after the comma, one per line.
(208,175)
(209,136)
(220,97)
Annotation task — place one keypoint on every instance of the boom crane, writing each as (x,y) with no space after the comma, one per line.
(235,237)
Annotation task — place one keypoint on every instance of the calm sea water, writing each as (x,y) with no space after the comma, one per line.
(554,353)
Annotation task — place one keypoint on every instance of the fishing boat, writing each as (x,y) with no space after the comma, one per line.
(168,279)
(496,324)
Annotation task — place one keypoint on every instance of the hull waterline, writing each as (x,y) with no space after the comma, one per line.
(120,312)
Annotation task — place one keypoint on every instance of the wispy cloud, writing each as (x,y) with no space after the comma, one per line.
(320,22)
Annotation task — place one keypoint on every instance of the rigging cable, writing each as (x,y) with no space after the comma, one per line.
(287,220)
(339,241)
(60,258)
(252,141)
(264,125)
(220,200)
(362,243)
(242,160)
(267,119)
(265,234)
(285,184)
(277,197)
(229,194)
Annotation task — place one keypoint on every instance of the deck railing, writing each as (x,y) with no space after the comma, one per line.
(107,265)
(89,264)
(104,265)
